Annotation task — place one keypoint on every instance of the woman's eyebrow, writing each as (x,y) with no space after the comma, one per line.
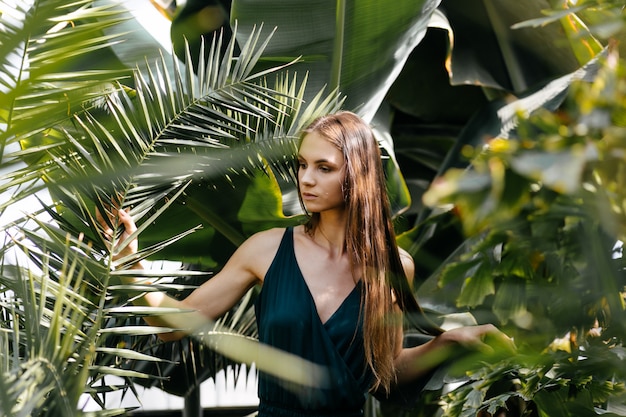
(318,161)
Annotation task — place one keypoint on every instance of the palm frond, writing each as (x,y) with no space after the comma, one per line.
(181,127)
(41,43)
(147,148)
(47,326)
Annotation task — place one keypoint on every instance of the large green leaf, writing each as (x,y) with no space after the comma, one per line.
(358,47)
(491,49)
(474,57)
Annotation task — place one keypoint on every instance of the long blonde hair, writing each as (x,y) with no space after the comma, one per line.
(370,240)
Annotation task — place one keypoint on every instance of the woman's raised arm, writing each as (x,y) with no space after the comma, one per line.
(245,268)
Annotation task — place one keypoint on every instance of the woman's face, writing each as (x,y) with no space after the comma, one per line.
(321,174)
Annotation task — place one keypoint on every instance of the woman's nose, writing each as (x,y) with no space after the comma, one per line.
(305,176)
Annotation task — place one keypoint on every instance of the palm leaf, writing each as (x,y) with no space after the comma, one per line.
(47,327)
(36,53)
(188,125)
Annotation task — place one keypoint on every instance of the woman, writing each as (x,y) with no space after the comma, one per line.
(333,289)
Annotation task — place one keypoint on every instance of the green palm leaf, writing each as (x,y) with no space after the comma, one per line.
(105,150)
(160,148)
(186,125)
(36,54)
(48,327)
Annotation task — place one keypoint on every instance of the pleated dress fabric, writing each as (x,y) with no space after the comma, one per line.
(287,319)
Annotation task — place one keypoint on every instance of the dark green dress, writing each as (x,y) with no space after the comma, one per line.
(287,319)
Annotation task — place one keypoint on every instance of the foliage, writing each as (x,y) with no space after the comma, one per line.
(206,142)
(89,140)
(544,212)
(53,288)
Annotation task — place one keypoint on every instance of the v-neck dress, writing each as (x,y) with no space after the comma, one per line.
(287,319)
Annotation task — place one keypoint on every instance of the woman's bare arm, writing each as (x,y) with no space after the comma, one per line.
(414,362)
(217,295)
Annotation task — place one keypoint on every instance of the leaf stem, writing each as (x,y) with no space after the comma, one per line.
(337,59)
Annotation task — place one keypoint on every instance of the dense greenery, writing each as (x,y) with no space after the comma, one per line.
(518,116)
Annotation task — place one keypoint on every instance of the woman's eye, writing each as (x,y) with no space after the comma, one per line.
(324,169)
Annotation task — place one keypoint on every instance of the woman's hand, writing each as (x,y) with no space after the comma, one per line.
(119,217)
(486,339)
(483,338)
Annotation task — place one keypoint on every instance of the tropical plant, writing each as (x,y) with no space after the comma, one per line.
(53,295)
(543,209)
(88,141)
(159,145)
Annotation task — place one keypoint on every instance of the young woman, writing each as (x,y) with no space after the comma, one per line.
(334,289)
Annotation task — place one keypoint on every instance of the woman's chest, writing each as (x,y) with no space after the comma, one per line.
(328,281)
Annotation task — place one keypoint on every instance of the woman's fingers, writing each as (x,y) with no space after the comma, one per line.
(129,228)
(126,219)
(118,217)
(483,338)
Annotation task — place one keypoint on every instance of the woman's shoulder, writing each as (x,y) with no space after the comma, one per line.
(275,234)
(259,250)
(264,240)
(268,236)
(263,245)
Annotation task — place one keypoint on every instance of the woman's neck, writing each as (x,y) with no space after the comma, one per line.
(330,232)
